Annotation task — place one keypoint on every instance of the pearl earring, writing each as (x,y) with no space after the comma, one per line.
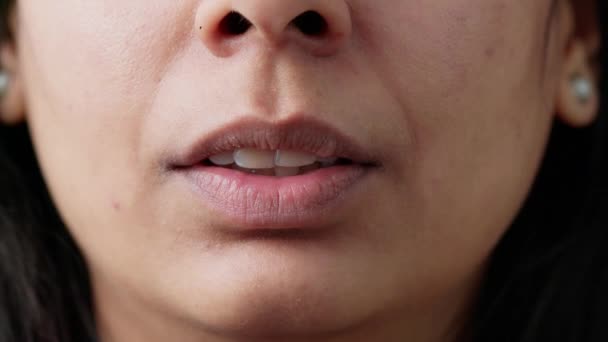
(4,82)
(582,89)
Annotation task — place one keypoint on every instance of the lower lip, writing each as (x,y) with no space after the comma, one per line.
(251,202)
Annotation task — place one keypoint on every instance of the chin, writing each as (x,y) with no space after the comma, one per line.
(267,297)
(265,314)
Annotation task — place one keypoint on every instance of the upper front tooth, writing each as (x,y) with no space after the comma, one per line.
(223,159)
(251,158)
(294,159)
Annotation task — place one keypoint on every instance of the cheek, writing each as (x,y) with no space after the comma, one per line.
(92,68)
(467,76)
(484,127)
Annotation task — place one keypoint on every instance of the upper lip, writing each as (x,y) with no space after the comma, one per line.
(303,134)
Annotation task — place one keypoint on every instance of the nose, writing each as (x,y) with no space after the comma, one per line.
(320,27)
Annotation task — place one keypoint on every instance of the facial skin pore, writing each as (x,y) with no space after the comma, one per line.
(454,97)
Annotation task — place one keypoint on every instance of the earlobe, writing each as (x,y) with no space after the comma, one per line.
(578,98)
(12,105)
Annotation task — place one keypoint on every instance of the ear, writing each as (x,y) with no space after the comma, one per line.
(578,94)
(12,101)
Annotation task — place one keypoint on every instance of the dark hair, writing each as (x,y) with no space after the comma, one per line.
(545,281)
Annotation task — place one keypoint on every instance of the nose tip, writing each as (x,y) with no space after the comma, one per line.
(321,27)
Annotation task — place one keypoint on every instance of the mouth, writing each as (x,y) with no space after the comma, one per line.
(254,175)
(277,163)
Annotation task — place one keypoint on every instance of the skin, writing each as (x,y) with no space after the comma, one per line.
(455,97)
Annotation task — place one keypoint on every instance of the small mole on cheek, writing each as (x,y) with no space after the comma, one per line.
(490,51)
(116,205)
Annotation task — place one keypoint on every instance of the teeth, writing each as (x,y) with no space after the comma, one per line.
(309,168)
(286,171)
(223,159)
(278,163)
(250,158)
(325,162)
(293,159)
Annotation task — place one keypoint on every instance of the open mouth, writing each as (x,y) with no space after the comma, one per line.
(297,174)
(277,163)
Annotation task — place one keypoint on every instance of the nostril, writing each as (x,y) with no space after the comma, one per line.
(234,24)
(311,23)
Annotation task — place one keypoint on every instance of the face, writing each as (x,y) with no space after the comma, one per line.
(441,109)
